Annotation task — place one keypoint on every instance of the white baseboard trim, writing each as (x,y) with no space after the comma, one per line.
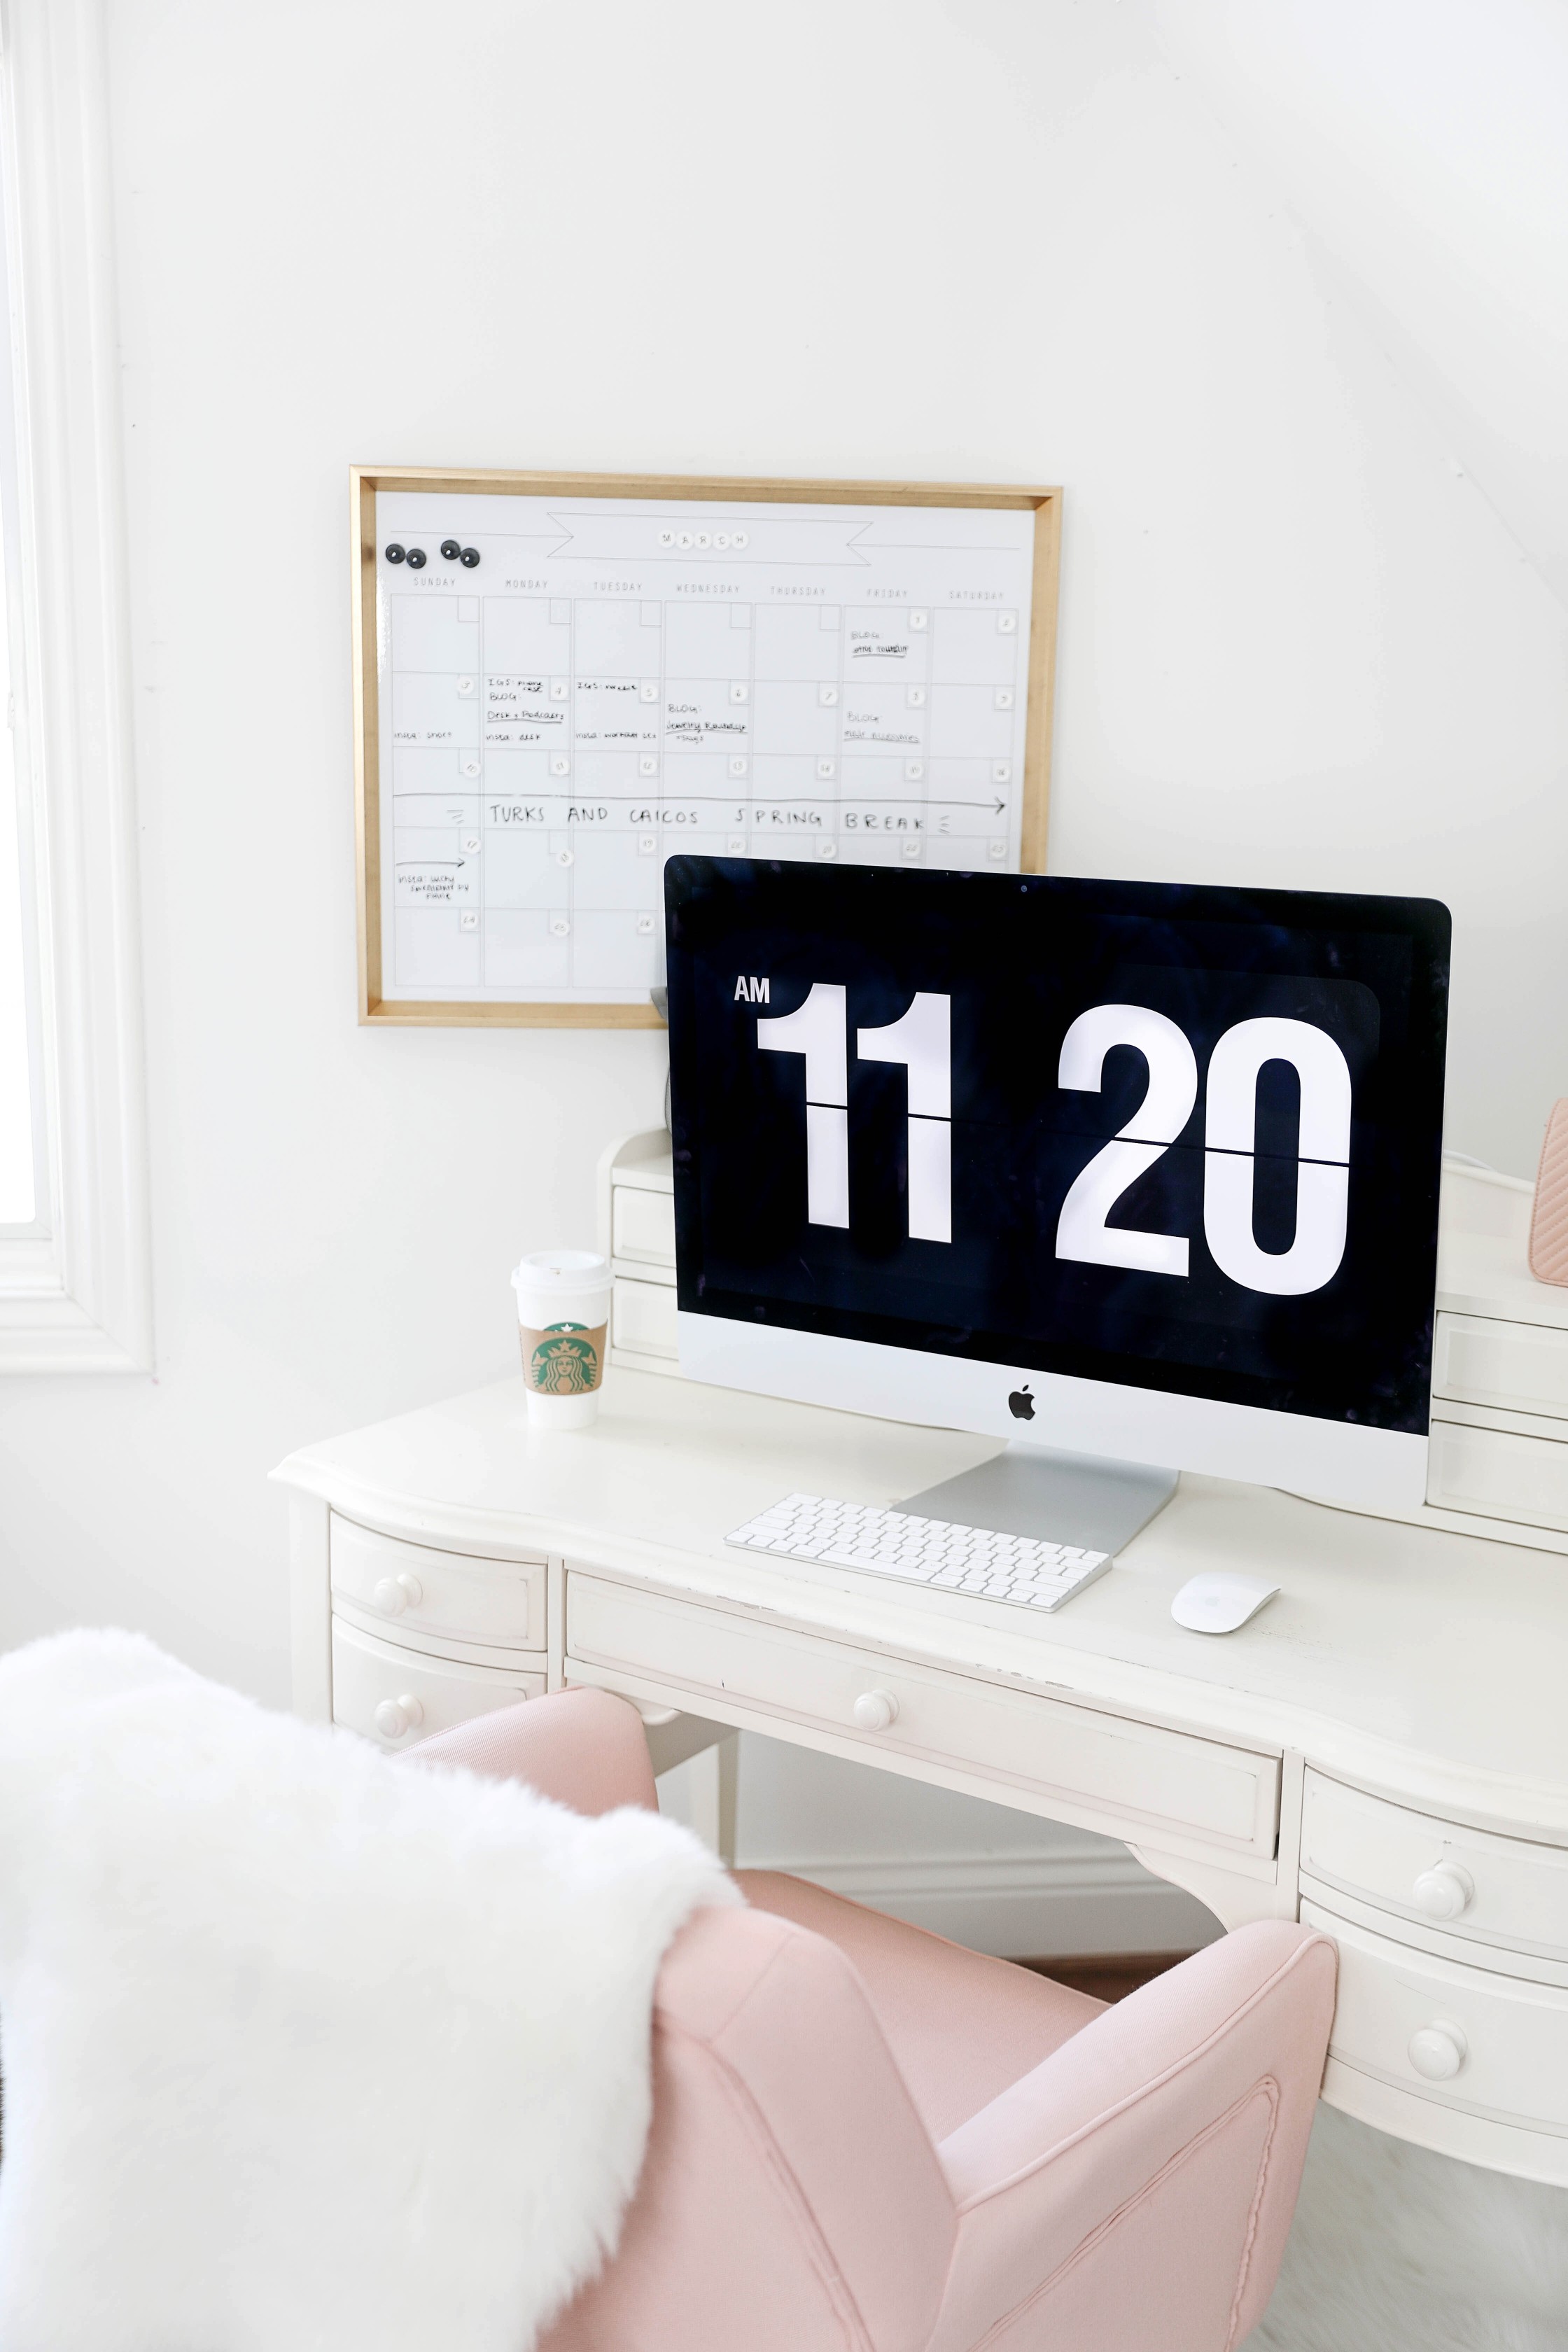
(1032,1907)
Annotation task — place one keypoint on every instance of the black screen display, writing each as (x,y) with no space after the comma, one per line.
(1174,1136)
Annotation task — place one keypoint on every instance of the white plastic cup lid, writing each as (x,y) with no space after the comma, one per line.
(562,1270)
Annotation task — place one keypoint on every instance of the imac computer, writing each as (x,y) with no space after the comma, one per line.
(1140,1176)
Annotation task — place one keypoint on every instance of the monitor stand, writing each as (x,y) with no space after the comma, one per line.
(1067,1498)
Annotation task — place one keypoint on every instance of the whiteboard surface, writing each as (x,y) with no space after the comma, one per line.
(617,680)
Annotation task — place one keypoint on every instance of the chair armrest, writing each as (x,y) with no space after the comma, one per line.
(584,1747)
(1067,2146)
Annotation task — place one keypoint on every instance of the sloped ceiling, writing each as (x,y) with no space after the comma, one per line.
(1424,145)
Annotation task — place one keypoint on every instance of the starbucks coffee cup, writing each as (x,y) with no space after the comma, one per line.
(563,1319)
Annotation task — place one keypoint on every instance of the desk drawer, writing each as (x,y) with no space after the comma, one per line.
(368,1674)
(445,1593)
(1498,1473)
(1510,2051)
(1514,1367)
(1133,1779)
(1363,1846)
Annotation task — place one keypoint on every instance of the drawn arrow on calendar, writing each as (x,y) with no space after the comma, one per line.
(875,800)
(652,792)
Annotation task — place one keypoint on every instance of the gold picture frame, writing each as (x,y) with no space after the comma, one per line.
(367,481)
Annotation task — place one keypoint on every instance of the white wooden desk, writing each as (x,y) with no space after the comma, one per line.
(1387,1743)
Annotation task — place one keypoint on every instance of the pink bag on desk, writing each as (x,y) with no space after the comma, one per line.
(1548,1221)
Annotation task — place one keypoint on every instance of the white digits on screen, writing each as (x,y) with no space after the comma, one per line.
(1081,1230)
(820,1030)
(1230,1132)
(1322,1173)
(922,1039)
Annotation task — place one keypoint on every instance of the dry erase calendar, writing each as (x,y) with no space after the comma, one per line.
(565,682)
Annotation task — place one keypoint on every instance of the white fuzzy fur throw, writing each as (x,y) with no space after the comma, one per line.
(1396,2249)
(304,2050)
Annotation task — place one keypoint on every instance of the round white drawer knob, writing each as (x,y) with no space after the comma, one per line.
(1438,2051)
(394,1717)
(394,1594)
(875,1710)
(1444,1891)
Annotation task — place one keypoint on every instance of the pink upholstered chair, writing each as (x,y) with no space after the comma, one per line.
(866,2140)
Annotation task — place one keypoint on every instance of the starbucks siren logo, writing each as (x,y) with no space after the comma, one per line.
(564,1363)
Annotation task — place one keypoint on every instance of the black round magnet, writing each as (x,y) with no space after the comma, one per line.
(450,551)
(415,559)
(394,553)
(470,556)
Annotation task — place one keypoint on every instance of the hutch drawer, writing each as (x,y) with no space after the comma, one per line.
(1513,1367)
(1498,1473)
(644,1317)
(643,1226)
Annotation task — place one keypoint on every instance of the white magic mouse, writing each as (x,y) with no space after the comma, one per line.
(1218,1604)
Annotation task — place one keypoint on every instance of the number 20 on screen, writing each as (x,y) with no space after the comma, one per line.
(921,1040)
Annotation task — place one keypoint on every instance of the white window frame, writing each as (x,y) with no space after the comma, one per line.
(79,1300)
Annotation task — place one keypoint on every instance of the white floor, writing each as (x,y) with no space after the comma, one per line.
(1396,2250)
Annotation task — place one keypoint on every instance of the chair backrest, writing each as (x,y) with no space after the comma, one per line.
(790,2194)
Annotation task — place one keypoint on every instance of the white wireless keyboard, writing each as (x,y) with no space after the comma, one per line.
(951,1558)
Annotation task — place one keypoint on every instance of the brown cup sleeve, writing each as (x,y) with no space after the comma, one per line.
(564,1359)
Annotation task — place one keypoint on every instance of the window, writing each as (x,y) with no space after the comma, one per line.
(19,1058)
(75,1288)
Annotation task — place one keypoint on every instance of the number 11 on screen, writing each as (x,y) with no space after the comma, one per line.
(922,1039)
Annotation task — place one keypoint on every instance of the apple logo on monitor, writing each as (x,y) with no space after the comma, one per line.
(1021,1404)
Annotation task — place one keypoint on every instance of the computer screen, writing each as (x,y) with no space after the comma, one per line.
(1176,1142)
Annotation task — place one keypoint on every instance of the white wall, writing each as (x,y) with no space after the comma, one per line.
(995,239)
(1422,146)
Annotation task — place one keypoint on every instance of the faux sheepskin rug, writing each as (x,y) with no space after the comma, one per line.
(1396,2250)
(305,2050)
